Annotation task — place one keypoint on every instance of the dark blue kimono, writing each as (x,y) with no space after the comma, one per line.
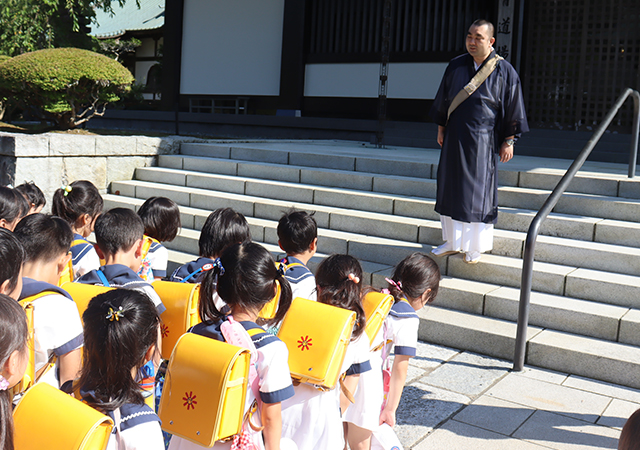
(468,168)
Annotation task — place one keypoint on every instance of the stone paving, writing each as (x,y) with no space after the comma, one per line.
(461,400)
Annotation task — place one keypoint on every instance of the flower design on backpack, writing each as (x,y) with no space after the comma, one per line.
(304,343)
(164,330)
(189,400)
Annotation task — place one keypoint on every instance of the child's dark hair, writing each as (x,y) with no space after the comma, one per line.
(118,230)
(32,194)
(75,200)
(13,205)
(413,276)
(296,231)
(245,276)
(339,280)
(13,336)
(12,257)
(119,328)
(43,237)
(161,218)
(223,227)
(630,435)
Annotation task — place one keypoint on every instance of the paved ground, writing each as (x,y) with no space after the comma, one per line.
(461,400)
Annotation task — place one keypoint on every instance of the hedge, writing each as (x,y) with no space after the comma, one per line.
(66,85)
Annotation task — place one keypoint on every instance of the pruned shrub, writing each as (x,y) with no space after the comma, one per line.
(65,85)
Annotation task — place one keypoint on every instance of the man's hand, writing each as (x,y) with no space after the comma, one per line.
(440,135)
(506,152)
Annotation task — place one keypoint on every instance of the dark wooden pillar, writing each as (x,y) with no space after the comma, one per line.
(172,54)
(293,56)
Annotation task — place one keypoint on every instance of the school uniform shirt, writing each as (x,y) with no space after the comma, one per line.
(56,323)
(301,279)
(401,329)
(139,425)
(121,276)
(193,267)
(84,257)
(274,378)
(312,418)
(154,265)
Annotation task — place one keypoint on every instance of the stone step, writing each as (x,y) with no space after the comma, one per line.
(401,237)
(612,362)
(546,310)
(593,358)
(589,205)
(516,219)
(608,257)
(610,179)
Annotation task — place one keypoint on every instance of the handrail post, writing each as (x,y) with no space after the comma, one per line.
(635,131)
(550,203)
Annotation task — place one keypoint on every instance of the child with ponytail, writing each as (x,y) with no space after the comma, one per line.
(246,278)
(414,283)
(120,337)
(312,418)
(13,362)
(79,204)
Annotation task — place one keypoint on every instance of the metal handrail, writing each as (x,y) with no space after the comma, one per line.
(561,187)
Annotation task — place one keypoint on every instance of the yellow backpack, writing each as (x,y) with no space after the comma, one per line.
(67,274)
(205,390)
(269,310)
(145,272)
(182,301)
(29,377)
(317,336)
(48,418)
(82,293)
(376,307)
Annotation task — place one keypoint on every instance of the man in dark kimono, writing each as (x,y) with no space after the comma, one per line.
(479,132)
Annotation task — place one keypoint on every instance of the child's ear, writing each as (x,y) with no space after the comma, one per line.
(150,354)
(280,245)
(63,262)
(4,224)
(4,287)
(426,296)
(138,247)
(313,247)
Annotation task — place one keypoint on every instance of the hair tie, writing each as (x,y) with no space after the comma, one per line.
(4,383)
(66,189)
(354,278)
(397,285)
(218,265)
(282,268)
(115,314)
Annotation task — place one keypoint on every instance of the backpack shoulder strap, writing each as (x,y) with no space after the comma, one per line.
(103,278)
(204,268)
(147,242)
(474,84)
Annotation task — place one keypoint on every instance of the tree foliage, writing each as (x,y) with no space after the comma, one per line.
(118,47)
(65,85)
(29,25)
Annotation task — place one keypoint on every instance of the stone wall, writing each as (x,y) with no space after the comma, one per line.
(53,159)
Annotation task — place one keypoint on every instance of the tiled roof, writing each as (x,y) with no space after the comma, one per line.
(129,17)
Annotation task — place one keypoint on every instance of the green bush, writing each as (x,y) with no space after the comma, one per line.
(65,85)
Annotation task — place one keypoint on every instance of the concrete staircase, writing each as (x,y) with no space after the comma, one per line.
(377,205)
